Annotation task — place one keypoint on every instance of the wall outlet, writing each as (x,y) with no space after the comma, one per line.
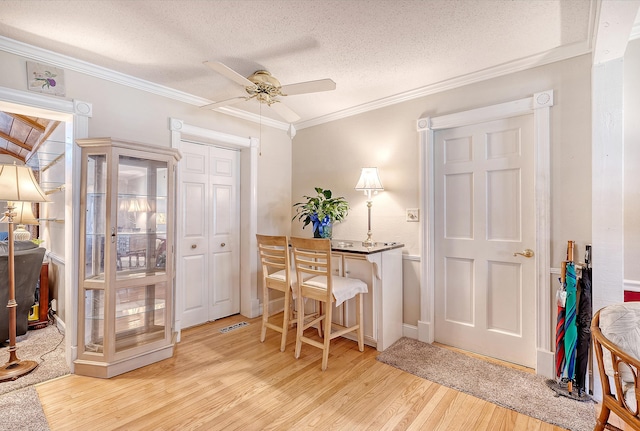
(413,214)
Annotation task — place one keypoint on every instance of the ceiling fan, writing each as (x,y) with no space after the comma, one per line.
(265,88)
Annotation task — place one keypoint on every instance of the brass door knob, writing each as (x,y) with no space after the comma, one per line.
(194,246)
(526,253)
(222,244)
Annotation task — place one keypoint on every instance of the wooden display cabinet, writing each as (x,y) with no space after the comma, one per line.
(126,281)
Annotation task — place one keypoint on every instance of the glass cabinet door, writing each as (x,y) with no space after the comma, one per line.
(95,234)
(96,215)
(141,217)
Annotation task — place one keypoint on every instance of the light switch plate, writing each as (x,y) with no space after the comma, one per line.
(413,214)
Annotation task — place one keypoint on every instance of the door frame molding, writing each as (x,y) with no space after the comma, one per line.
(539,104)
(75,113)
(249,303)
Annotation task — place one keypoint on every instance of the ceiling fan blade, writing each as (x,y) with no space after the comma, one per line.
(228,73)
(308,87)
(226,102)
(285,112)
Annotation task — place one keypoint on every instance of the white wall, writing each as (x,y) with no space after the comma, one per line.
(331,155)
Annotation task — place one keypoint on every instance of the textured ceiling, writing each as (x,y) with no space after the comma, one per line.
(372,49)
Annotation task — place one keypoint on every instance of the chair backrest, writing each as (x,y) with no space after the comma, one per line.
(274,256)
(312,259)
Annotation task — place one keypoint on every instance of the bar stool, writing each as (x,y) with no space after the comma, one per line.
(312,262)
(277,275)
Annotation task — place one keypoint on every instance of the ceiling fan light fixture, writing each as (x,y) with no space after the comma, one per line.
(266,89)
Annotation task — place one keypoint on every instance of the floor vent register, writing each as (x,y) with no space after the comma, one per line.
(232,327)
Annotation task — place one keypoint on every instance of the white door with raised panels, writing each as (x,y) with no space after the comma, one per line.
(209,246)
(484,213)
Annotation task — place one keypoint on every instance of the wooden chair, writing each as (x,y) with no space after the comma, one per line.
(312,262)
(618,365)
(277,275)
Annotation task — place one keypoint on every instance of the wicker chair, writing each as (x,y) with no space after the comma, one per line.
(611,327)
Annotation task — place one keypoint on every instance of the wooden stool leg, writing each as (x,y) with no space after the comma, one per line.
(319,304)
(285,318)
(359,314)
(265,312)
(327,335)
(300,327)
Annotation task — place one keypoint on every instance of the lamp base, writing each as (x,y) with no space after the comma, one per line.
(16,369)
(21,234)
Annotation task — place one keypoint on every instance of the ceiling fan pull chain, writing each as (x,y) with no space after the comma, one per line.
(260,134)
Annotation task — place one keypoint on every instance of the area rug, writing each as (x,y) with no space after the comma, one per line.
(21,408)
(517,390)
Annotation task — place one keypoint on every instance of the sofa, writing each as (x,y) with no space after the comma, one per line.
(28,261)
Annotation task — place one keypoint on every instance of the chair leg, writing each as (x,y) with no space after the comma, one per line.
(285,318)
(327,335)
(603,418)
(319,304)
(300,327)
(359,314)
(265,312)
(292,311)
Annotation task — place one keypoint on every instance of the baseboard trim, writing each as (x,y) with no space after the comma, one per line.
(545,363)
(425,332)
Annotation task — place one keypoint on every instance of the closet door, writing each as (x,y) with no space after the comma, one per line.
(209,266)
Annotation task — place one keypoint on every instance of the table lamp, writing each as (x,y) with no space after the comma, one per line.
(369,182)
(24,215)
(17,184)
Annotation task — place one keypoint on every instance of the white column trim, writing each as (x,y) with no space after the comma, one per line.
(539,105)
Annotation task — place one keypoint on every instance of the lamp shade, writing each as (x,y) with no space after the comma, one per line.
(17,183)
(24,214)
(369,180)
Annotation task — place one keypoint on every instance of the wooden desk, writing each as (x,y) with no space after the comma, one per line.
(381,268)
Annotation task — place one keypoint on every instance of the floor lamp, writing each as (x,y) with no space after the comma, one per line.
(369,182)
(17,184)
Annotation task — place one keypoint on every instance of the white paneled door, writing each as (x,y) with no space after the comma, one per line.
(209,246)
(484,213)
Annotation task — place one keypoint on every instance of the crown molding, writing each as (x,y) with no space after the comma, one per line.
(63,61)
(69,63)
(541,59)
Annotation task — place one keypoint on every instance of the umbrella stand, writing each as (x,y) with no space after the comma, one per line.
(567,334)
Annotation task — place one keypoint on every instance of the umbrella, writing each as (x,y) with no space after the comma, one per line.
(583,321)
(560,326)
(570,328)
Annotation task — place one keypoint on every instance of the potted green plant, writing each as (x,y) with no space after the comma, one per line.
(321,210)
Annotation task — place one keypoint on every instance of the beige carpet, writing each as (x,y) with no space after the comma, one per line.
(21,409)
(517,390)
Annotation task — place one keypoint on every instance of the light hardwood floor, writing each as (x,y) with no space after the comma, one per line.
(231,381)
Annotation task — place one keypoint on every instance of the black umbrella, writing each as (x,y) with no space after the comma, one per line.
(583,320)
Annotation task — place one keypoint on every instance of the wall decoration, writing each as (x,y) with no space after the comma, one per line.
(44,78)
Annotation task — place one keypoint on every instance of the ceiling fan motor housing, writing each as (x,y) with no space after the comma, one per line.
(266,88)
